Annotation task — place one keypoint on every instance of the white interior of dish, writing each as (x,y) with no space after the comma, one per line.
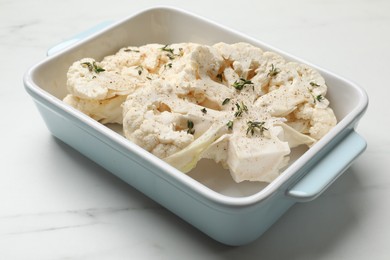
(170,26)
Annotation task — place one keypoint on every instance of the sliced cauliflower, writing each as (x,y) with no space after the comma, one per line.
(88,80)
(97,92)
(232,103)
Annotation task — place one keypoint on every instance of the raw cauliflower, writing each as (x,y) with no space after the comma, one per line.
(233,103)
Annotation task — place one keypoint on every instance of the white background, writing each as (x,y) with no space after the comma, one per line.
(56,204)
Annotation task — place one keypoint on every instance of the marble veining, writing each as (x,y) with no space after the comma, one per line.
(52,221)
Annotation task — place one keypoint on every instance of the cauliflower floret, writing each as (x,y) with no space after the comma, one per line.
(104,111)
(126,57)
(96,87)
(147,122)
(81,81)
(313,120)
(267,74)
(300,98)
(194,69)
(322,121)
(159,138)
(242,57)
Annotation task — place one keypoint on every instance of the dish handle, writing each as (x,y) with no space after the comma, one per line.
(78,37)
(328,169)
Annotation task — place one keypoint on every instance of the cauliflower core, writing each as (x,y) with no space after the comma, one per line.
(233,103)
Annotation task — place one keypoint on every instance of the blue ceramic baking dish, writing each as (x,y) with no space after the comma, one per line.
(234,214)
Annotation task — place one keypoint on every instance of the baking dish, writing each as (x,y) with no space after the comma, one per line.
(207,198)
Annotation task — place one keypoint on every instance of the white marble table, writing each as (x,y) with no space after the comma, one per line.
(55,204)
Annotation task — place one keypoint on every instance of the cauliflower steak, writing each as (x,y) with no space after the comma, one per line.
(233,103)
